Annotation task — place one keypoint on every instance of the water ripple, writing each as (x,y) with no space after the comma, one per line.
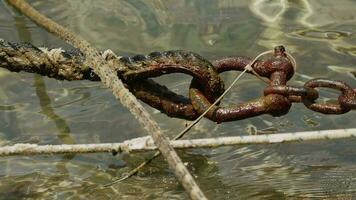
(321,34)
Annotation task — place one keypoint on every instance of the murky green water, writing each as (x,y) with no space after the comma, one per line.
(320,34)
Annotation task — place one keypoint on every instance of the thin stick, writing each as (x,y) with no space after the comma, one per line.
(107,76)
(146,143)
(181,134)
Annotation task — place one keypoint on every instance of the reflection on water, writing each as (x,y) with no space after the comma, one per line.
(319,33)
(322,35)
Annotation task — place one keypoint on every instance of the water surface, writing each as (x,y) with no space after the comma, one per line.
(34,109)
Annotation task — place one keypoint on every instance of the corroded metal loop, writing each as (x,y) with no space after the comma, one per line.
(278,69)
(264,68)
(293,93)
(161,98)
(135,72)
(346,99)
(177,61)
(275,105)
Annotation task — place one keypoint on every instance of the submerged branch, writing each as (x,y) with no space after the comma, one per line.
(146,144)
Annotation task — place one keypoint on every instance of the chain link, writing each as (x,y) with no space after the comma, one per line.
(346,101)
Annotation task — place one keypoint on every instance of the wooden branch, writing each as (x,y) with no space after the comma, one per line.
(109,78)
(146,144)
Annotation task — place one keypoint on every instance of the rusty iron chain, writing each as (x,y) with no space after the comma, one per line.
(278,96)
(206,86)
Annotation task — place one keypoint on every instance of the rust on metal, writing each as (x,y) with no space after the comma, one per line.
(278,69)
(346,100)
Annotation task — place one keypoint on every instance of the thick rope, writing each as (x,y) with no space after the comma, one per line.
(109,78)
